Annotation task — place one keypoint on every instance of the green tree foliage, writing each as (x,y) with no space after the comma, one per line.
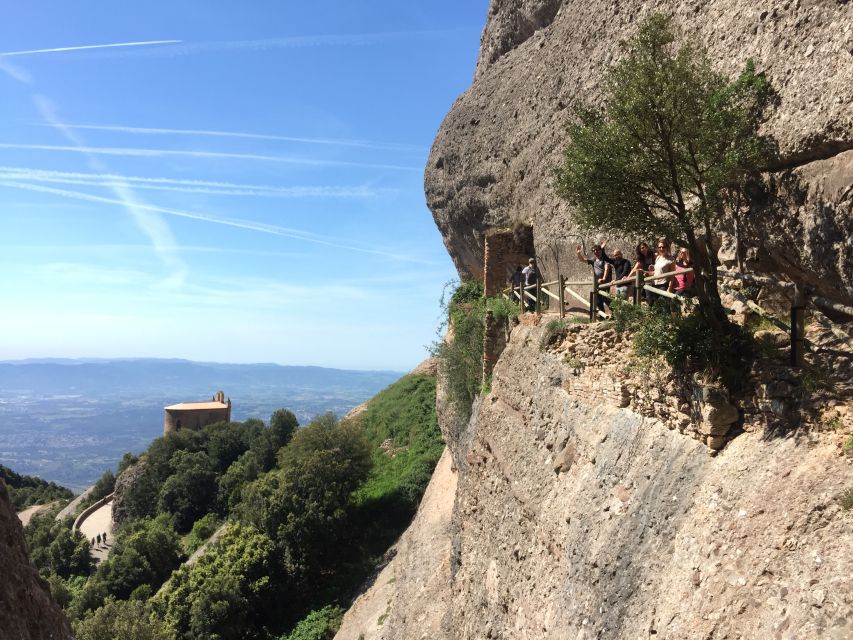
(122,620)
(201,531)
(283,425)
(303,505)
(674,141)
(230,484)
(55,550)
(127,460)
(221,596)
(25,491)
(144,554)
(322,624)
(69,554)
(190,491)
(103,487)
(309,534)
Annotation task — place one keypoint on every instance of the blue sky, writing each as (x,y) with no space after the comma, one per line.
(245,187)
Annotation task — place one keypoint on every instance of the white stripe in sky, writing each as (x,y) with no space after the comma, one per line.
(180,47)
(188,186)
(250,225)
(88,47)
(341,142)
(137,152)
(153,225)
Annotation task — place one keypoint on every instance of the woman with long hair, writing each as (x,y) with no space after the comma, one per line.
(684,281)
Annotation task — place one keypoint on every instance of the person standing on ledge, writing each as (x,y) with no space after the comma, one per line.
(601,268)
(515,281)
(529,273)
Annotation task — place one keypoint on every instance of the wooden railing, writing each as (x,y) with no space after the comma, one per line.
(639,281)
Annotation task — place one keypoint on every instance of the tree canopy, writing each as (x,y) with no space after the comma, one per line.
(671,145)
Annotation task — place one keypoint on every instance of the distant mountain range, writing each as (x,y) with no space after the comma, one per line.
(70,420)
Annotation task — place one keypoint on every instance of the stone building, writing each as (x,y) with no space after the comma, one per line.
(195,415)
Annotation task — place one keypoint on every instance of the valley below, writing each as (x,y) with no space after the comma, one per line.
(69,421)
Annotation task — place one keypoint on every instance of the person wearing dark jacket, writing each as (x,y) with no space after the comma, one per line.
(621,270)
(602,269)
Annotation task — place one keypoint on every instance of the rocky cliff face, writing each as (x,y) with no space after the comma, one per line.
(576,519)
(492,159)
(573,518)
(27,610)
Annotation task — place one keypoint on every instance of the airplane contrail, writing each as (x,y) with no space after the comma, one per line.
(250,225)
(150,153)
(188,186)
(341,142)
(113,45)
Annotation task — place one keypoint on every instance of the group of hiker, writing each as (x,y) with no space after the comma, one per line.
(101,537)
(607,269)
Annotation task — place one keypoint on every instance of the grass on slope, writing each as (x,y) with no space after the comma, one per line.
(404,413)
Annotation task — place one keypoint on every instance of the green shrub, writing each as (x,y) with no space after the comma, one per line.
(462,357)
(847,447)
(687,342)
(554,330)
(846,500)
(122,620)
(201,531)
(502,308)
(322,624)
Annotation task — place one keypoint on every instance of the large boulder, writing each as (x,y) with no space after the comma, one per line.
(492,161)
(27,610)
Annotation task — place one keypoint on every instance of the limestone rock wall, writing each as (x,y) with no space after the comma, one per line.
(27,610)
(492,159)
(576,519)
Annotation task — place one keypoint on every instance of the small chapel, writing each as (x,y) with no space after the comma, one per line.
(195,415)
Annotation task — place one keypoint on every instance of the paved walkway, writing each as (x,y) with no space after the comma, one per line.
(99,522)
(27,514)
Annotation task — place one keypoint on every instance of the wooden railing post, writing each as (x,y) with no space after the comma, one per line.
(638,286)
(562,284)
(593,307)
(521,296)
(798,309)
(538,295)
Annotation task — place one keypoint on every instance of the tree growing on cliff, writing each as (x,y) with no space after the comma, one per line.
(672,144)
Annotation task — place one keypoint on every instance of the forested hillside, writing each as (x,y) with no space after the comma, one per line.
(306,514)
(25,491)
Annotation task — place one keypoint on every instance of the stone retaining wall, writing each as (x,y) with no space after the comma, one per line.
(90,510)
(603,372)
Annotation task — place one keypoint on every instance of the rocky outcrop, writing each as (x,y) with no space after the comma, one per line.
(27,610)
(577,519)
(124,486)
(492,160)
